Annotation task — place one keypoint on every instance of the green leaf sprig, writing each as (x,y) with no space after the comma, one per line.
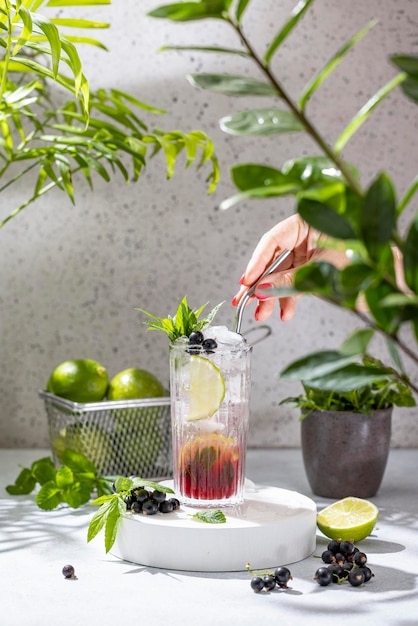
(72,483)
(209,517)
(183,323)
(113,507)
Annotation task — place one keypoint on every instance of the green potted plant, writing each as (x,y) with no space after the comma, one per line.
(344,424)
(367,221)
(53,127)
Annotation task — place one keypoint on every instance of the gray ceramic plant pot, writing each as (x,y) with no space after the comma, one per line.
(345,453)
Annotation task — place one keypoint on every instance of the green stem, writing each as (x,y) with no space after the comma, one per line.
(6,60)
(299,114)
(15,178)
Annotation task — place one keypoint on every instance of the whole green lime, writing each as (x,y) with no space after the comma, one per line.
(134,383)
(79,380)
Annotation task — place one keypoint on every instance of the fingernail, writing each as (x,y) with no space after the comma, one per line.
(263,296)
(234,301)
(241,280)
(256,313)
(282,315)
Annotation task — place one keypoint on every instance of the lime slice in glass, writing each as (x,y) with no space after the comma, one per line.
(349,518)
(207,389)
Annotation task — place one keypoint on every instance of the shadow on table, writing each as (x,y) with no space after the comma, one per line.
(22,523)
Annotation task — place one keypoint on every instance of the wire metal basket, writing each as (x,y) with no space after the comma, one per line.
(120,437)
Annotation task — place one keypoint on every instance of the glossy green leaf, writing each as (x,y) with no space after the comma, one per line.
(230,85)
(387,318)
(366,110)
(410,88)
(358,342)
(261,122)
(296,14)
(189,11)
(78,23)
(409,194)
(351,377)
(325,219)
(317,364)
(52,34)
(399,300)
(241,7)
(74,63)
(26,31)
(410,256)
(248,176)
(215,49)
(316,277)
(378,215)
(355,278)
(73,3)
(313,85)
(406,63)
(25,483)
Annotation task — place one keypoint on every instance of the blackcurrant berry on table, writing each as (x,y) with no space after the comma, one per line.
(334,546)
(339,558)
(282,576)
(166,506)
(149,507)
(68,571)
(158,496)
(347,567)
(136,507)
(257,584)
(323,576)
(209,345)
(360,559)
(175,503)
(368,574)
(141,495)
(346,547)
(269,582)
(328,556)
(337,572)
(196,337)
(356,577)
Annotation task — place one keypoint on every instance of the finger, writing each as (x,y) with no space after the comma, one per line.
(264,310)
(287,234)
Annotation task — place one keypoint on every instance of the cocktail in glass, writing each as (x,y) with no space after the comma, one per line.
(210,388)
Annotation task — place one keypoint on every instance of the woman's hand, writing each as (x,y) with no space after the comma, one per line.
(304,243)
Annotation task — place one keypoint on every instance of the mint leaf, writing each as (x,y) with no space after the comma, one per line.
(209,517)
(98,520)
(78,462)
(24,484)
(116,509)
(64,477)
(43,470)
(76,494)
(49,496)
(183,323)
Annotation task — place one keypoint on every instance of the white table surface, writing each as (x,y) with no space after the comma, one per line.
(35,545)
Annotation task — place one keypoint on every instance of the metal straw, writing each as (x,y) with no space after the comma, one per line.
(240,309)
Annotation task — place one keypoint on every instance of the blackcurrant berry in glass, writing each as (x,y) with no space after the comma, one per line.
(196,337)
(323,576)
(209,344)
(360,559)
(158,496)
(328,556)
(334,546)
(166,507)
(356,577)
(149,507)
(257,584)
(136,507)
(68,571)
(282,575)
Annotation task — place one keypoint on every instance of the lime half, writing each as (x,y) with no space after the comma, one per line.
(349,518)
(207,389)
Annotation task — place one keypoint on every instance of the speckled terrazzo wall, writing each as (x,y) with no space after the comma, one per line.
(71,276)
